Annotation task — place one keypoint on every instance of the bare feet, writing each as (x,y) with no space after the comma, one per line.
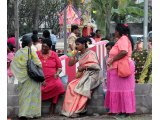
(51,110)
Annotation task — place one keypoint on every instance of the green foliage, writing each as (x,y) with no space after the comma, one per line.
(47,14)
(119,9)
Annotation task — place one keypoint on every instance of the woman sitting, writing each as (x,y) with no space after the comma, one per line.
(52,87)
(87,78)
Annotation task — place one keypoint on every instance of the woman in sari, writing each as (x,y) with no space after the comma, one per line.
(52,88)
(120,95)
(29,90)
(87,78)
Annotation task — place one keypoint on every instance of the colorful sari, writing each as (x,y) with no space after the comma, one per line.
(29,90)
(79,90)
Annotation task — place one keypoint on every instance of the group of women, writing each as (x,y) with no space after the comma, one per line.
(120,95)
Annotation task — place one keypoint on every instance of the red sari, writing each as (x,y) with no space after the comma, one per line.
(54,87)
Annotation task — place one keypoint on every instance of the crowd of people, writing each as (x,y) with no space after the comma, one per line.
(123,68)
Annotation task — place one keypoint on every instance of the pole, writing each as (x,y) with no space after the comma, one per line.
(65,30)
(145,25)
(16,23)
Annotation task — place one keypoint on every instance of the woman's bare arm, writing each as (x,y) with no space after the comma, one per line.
(72,61)
(122,54)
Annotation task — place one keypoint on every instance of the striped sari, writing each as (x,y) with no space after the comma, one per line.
(29,90)
(79,90)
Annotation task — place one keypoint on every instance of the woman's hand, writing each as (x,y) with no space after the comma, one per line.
(44,83)
(56,75)
(81,69)
(110,63)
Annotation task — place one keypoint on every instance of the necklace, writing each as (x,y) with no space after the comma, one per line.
(82,54)
(46,56)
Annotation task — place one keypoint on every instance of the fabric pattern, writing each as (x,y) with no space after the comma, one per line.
(29,90)
(79,90)
(120,95)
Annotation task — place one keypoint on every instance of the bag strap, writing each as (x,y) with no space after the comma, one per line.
(29,53)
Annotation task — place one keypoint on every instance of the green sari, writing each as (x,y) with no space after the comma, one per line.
(29,90)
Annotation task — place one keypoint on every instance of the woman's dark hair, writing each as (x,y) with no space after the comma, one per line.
(12,35)
(74,27)
(34,32)
(10,46)
(88,40)
(34,38)
(47,41)
(110,44)
(98,31)
(26,40)
(150,39)
(82,40)
(123,29)
(46,34)
(92,35)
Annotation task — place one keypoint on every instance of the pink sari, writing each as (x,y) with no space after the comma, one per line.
(79,90)
(10,57)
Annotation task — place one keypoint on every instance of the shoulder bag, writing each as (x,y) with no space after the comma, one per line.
(34,71)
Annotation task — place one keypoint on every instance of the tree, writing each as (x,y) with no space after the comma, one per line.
(37,4)
(34,14)
(10,16)
(119,11)
(100,16)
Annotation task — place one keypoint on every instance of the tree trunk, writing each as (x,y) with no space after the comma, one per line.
(108,17)
(36,14)
(16,23)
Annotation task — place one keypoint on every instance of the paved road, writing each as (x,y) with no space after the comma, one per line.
(98,117)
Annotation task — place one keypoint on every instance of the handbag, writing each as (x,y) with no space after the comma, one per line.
(124,69)
(34,71)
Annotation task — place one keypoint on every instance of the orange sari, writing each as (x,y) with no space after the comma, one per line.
(79,90)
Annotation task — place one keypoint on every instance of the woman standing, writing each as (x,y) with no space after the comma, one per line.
(10,56)
(51,66)
(87,78)
(29,90)
(120,95)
